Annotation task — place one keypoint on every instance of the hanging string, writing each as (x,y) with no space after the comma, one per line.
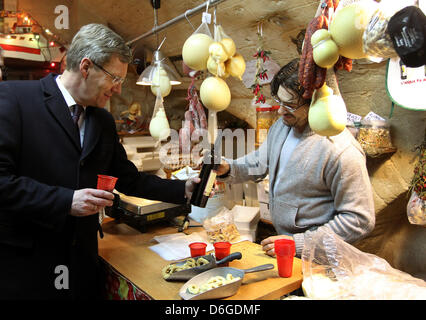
(260,29)
(159,47)
(156,25)
(186,17)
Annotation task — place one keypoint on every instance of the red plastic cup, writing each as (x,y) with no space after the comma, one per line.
(222,250)
(285,250)
(106,183)
(197,249)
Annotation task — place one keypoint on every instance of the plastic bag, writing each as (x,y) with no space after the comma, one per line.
(219,33)
(221,227)
(377,43)
(204,26)
(416,210)
(334,269)
(375,138)
(195,50)
(159,127)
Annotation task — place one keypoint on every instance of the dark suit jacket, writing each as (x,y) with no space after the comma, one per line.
(41,164)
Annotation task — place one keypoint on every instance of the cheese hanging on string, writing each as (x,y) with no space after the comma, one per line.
(217,69)
(215,94)
(159,127)
(229,46)
(217,52)
(325,50)
(236,66)
(348,25)
(161,83)
(327,114)
(195,51)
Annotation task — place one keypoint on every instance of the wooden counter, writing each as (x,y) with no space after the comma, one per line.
(127,251)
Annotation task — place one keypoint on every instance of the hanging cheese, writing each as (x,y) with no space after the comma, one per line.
(161,83)
(327,113)
(325,50)
(195,51)
(347,27)
(159,126)
(217,69)
(217,52)
(236,66)
(215,94)
(229,46)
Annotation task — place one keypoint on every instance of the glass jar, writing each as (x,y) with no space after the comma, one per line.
(264,120)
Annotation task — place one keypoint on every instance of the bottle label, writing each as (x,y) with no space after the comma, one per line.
(209,184)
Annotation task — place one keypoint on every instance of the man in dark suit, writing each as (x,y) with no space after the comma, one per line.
(49,203)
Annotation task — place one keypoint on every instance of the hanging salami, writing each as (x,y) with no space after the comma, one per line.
(195,120)
(312,76)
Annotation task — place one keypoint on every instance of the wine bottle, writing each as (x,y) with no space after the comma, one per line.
(202,190)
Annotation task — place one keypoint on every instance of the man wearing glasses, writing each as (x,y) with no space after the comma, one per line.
(315,182)
(55,139)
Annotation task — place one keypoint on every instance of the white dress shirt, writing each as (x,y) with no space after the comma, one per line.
(70,102)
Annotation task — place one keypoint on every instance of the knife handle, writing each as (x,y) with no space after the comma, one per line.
(263,267)
(233,256)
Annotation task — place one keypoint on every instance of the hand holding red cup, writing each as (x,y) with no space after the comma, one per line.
(106,183)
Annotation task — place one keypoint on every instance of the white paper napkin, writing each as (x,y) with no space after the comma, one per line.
(175,246)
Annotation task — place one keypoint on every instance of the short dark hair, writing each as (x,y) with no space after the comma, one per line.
(287,76)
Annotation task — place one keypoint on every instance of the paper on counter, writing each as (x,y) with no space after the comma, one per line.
(174,246)
(185,173)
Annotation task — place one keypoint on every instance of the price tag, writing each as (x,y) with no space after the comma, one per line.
(207,18)
(352,118)
(372,116)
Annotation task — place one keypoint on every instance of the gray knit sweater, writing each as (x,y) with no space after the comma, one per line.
(325,184)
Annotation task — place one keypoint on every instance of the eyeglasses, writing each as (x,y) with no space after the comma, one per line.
(292,107)
(116,80)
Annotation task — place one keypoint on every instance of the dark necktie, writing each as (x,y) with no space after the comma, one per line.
(76,111)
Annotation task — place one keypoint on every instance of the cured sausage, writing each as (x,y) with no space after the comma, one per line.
(343,64)
(185,133)
(320,77)
(195,120)
(201,113)
(307,66)
(347,64)
(335,4)
(310,75)
(192,101)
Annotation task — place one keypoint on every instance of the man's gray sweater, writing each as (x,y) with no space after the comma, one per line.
(325,184)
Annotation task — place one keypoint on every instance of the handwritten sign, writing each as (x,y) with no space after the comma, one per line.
(406,86)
